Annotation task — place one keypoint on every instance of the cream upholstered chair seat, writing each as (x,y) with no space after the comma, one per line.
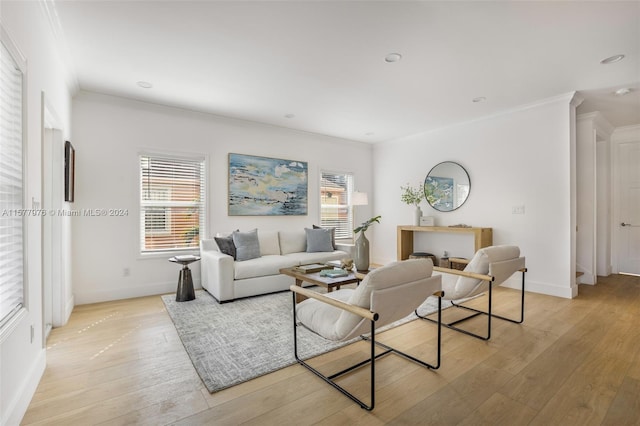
(489,267)
(386,294)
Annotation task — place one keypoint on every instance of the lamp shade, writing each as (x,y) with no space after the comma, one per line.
(359,199)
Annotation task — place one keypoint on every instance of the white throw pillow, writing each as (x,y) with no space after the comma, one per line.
(269,243)
(293,241)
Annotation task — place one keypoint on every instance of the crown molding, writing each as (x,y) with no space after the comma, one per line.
(599,122)
(13,49)
(576,100)
(626,134)
(49,9)
(569,98)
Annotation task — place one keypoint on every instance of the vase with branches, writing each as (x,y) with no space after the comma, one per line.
(362,244)
(413,195)
(366,224)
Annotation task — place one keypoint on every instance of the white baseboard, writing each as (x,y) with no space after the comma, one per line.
(587,278)
(83,297)
(17,407)
(69,308)
(515,282)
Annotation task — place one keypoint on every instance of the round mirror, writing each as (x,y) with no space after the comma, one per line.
(447,186)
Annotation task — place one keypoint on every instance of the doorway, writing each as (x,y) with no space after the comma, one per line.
(626,223)
(53,281)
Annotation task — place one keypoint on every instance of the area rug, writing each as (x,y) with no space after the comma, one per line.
(231,343)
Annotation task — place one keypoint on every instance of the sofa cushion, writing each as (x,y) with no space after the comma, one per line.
(226,245)
(247,245)
(318,257)
(292,241)
(263,266)
(269,242)
(318,240)
(333,235)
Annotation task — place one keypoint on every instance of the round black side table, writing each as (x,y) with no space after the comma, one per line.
(185,290)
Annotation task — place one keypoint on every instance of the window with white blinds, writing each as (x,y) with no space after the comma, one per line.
(336,211)
(12,213)
(172,203)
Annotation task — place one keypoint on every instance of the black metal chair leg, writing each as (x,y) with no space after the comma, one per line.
(329,379)
(489,314)
(371,360)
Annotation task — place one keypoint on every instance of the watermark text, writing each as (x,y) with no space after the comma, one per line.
(64,212)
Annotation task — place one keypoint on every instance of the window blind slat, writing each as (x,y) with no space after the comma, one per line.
(335,210)
(171,203)
(11,187)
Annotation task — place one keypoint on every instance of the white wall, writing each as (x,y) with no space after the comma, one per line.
(586,196)
(522,157)
(109,132)
(22,359)
(593,169)
(603,210)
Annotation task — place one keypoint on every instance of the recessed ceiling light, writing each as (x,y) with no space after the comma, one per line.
(479,99)
(369,134)
(623,91)
(393,57)
(612,59)
(145,84)
(289,116)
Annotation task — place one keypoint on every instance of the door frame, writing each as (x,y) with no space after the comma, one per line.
(621,135)
(51,128)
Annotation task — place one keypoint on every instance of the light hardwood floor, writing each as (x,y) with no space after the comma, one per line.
(572,362)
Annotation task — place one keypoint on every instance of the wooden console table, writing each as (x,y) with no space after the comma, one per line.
(482,237)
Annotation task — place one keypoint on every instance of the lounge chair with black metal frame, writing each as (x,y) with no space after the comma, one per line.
(490,266)
(386,295)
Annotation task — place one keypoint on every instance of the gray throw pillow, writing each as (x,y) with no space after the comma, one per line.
(247,245)
(333,235)
(318,240)
(226,246)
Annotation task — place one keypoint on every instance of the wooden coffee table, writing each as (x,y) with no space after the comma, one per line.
(315,278)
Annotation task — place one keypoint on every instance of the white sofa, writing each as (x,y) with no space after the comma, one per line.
(226,279)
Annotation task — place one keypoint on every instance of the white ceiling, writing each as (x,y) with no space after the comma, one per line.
(324,61)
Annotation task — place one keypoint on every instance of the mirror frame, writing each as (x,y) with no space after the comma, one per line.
(429,175)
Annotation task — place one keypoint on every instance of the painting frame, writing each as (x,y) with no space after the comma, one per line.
(439,192)
(267,186)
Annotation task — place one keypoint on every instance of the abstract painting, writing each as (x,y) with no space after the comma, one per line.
(262,186)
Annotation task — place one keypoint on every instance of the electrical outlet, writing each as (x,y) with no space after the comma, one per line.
(517,209)
(126,272)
